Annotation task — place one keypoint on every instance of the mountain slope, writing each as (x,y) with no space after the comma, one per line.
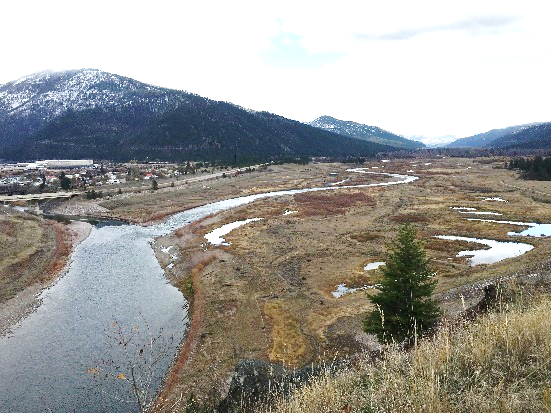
(537,136)
(93,114)
(364,132)
(485,139)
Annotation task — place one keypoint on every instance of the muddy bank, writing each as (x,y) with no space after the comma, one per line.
(26,301)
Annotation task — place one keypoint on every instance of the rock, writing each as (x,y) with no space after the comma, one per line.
(257,382)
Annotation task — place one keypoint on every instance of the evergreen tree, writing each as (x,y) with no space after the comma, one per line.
(64,182)
(404,309)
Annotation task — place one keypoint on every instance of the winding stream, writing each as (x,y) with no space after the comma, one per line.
(112,314)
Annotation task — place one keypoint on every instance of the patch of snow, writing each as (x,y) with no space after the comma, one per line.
(496,199)
(342,289)
(289,212)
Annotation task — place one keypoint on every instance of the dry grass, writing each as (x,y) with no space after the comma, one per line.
(268,295)
(31,250)
(288,342)
(502,362)
(410,217)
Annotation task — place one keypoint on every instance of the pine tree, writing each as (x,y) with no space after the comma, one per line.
(404,309)
(64,182)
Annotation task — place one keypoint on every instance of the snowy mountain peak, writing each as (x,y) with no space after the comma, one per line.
(364,132)
(52,93)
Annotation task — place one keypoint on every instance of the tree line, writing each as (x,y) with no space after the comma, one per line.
(537,168)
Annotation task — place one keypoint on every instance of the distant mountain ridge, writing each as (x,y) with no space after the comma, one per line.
(364,132)
(536,136)
(88,113)
(432,141)
(485,139)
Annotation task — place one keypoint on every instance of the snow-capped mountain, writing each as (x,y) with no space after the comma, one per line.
(88,113)
(433,141)
(48,94)
(364,132)
(487,138)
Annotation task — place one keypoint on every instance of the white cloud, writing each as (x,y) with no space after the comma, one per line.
(424,67)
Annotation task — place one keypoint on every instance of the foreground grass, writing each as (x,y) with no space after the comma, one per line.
(501,362)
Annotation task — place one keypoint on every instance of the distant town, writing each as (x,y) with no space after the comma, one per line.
(83,175)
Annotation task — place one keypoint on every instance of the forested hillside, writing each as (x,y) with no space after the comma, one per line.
(93,114)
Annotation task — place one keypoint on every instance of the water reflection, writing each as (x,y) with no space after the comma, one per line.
(498,250)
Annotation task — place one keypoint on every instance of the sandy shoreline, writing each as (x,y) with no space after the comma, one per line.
(24,303)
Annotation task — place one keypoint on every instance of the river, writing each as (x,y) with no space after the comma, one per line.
(112,317)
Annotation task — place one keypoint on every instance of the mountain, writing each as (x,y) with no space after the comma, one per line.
(537,136)
(485,139)
(433,141)
(88,113)
(364,132)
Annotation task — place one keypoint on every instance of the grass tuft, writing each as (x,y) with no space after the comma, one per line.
(500,362)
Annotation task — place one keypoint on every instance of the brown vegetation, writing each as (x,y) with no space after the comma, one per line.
(268,295)
(278,274)
(499,363)
(315,203)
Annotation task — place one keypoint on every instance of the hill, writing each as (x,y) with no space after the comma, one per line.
(537,136)
(485,139)
(365,132)
(88,113)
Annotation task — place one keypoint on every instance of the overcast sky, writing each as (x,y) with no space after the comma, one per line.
(412,67)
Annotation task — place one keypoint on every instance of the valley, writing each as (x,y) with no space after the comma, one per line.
(267,295)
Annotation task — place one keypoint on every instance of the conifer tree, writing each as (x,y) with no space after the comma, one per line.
(404,309)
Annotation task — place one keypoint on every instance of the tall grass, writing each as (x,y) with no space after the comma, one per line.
(499,362)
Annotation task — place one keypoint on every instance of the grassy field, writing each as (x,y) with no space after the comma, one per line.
(268,294)
(31,251)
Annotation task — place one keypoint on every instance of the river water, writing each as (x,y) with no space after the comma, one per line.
(112,317)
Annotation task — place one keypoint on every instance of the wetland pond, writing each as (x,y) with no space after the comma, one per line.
(112,316)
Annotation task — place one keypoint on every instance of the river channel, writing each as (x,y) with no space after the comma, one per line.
(111,315)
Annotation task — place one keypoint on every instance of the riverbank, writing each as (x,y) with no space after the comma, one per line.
(268,295)
(67,237)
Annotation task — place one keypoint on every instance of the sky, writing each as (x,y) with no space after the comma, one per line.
(429,68)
